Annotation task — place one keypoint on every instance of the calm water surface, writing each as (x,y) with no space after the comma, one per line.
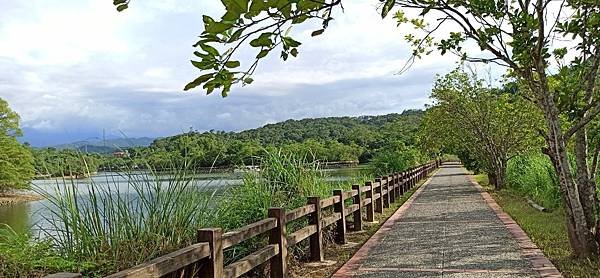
(24,217)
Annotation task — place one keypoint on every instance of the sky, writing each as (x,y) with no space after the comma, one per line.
(73,68)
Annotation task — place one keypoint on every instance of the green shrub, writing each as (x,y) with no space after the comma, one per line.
(20,256)
(533,175)
(396,157)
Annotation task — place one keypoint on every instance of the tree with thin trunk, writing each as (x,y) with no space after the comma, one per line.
(487,123)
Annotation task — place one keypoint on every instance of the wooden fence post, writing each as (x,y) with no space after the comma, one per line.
(392,188)
(386,200)
(403,182)
(379,201)
(397,185)
(357,216)
(214,268)
(370,206)
(316,240)
(340,235)
(278,236)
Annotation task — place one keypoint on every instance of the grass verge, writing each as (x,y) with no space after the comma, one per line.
(341,254)
(546,229)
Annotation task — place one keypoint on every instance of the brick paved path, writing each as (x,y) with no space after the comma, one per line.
(449,229)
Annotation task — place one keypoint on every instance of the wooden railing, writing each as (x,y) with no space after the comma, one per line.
(205,258)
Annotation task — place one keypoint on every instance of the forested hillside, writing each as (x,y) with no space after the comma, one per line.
(325,139)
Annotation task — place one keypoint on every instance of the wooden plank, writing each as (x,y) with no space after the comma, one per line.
(357,215)
(299,212)
(379,197)
(351,208)
(370,205)
(278,264)
(366,201)
(316,240)
(213,268)
(327,202)
(365,188)
(251,261)
(167,263)
(349,194)
(340,227)
(327,221)
(234,237)
(301,234)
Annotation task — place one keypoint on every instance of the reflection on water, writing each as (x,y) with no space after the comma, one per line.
(16,216)
(23,217)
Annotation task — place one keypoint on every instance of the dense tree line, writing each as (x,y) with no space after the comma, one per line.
(59,163)
(325,139)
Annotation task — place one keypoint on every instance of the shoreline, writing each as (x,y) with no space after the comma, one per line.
(17,198)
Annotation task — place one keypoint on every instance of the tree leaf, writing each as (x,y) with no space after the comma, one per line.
(198,81)
(262,54)
(122,7)
(211,50)
(318,32)
(387,7)
(232,64)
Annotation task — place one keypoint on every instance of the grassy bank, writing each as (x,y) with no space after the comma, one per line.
(546,229)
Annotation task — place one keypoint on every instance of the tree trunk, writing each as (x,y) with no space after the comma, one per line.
(492,178)
(581,237)
(586,186)
(500,174)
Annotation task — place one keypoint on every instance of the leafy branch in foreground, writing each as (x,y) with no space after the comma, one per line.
(264,25)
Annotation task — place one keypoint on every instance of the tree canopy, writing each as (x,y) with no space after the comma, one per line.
(16,169)
(482,122)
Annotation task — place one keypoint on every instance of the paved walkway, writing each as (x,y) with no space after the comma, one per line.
(449,228)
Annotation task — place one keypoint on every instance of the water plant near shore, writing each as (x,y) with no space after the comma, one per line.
(121,229)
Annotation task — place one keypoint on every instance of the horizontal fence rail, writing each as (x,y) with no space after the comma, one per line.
(206,259)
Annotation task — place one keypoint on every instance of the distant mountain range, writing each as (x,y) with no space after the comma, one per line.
(106,146)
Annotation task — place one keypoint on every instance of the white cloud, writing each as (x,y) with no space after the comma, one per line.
(75,67)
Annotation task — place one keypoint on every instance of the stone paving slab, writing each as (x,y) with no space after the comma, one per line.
(448,228)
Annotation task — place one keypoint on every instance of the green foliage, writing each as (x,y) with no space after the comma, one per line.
(323,139)
(396,157)
(61,163)
(484,125)
(117,230)
(264,25)
(20,256)
(284,180)
(533,175)
(16,169)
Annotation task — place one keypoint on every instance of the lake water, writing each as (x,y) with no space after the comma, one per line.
(21,217)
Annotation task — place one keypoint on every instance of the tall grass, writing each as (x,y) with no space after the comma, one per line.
(96,229)
(119,229)
(533,175)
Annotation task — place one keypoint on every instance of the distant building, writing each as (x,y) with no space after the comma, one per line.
(121,154)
